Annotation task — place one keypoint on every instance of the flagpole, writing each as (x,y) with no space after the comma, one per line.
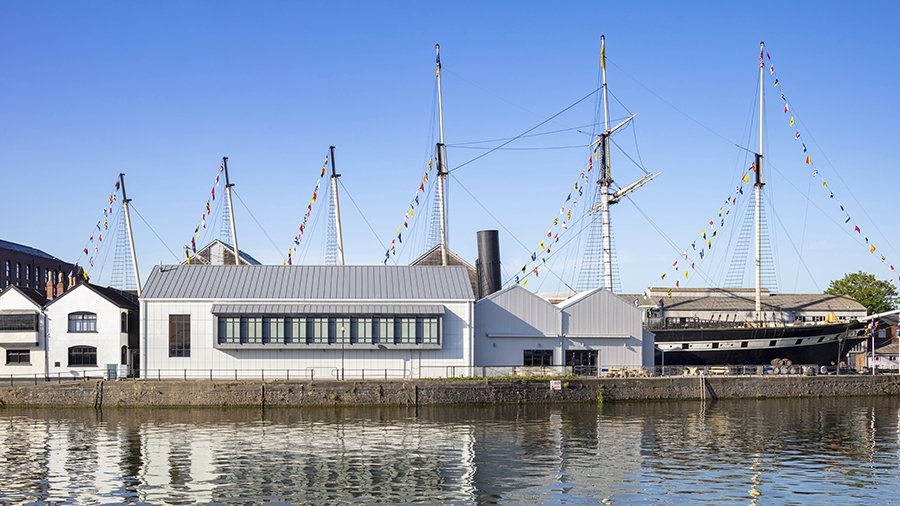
(605,178)
(125,201)
(228,185)
(442,154)
(337,208)
(758,190)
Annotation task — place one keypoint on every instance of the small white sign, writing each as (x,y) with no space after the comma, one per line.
(555,384)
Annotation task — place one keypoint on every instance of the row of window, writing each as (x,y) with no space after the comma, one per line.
(328,330)
(79,356)
(19,280)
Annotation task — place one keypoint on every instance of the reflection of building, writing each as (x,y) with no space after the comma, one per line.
(321,320)
(593,328)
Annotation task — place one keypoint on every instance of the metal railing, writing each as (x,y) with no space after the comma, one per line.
(433,372)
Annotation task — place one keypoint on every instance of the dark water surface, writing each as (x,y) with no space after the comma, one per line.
(786,451)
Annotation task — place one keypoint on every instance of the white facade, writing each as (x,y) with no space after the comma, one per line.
(82,323)
(226,322)
(514,326)
(24,349)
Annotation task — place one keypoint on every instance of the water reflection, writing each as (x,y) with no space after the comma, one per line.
(810,451)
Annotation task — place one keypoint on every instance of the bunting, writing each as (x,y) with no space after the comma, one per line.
(206,212)
(299,237)
(107,210)
(409,215)
(815,173)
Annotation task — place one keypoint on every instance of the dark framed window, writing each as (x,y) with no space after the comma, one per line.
(85,356)
(124,358)
(124,322)
(179,335)
(27,275)
(37,277)
(18,322)
(18,357)
(538,357)
(82,322)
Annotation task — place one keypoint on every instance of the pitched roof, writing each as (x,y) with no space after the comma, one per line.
(433,257)
(308,282)
(115,297)
(28,250)
(204,254)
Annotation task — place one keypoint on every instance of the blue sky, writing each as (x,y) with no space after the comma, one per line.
(161,91)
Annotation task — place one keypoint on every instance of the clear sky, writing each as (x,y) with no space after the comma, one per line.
(163,90)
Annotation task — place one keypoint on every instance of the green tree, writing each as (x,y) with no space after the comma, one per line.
(878,296)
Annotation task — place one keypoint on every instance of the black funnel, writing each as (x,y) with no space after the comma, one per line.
(488,263)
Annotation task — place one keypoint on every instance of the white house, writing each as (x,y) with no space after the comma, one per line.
(22,336)
(589,330)
(91,331)
(276,321)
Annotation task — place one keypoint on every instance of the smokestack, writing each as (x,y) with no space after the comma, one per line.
(488,263)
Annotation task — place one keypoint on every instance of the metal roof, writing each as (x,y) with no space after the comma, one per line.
(28,250)
(343,309)
(308,282)
(741,302)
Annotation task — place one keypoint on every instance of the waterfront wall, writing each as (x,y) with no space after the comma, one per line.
(330,393)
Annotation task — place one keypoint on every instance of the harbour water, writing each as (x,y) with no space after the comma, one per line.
(774,451)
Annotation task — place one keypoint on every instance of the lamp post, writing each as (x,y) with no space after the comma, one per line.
(342,353)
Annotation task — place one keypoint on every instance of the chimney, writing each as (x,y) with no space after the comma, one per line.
(49,289)
(60,287)
(488,263)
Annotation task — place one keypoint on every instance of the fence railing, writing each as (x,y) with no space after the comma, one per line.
(430,372)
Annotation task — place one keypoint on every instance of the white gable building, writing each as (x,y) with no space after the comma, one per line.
(588,332)
(22,332)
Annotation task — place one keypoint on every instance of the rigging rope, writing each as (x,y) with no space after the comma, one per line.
(177,258)
(258,224)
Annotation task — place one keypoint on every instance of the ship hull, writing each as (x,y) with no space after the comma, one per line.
(813,344)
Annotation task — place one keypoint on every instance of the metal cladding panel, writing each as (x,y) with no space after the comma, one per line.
(308,282)
(601,313)
(515,310)
(331,309)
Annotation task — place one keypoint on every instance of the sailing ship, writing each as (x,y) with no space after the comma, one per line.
(735,329)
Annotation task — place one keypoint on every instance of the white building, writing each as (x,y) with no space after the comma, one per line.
(590,330)
(22,336)
(91,331)
(300,321)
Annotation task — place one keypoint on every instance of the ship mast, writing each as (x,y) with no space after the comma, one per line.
(125,201)
(605,176)
(758,190)
(441,159)
(337,209)
(228,185)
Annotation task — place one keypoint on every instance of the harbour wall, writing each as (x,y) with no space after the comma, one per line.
(349,393)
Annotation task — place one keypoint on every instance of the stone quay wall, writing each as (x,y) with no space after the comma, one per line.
(435,392)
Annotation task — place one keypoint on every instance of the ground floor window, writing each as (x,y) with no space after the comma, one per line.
(18,357)
(82,356)
(179,335)
(538,358)
(582,362)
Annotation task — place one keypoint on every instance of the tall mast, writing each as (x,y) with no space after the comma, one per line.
(125,201)
(442,157)
(605,176)
(228,185)
(337,208)
(758,190)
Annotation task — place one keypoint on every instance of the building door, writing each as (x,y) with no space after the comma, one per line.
(582,362)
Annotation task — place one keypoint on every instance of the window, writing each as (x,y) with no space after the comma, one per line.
(18,273)
(18,322)
(298,330)
(179,335)
(18,357)
(538,358)
(27,275)
(124,358)
(251,330)
(318,329)
(82,356)
(37,277)
(273,330)
(82,322)
(339,336)
(124,317)
(229,329)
